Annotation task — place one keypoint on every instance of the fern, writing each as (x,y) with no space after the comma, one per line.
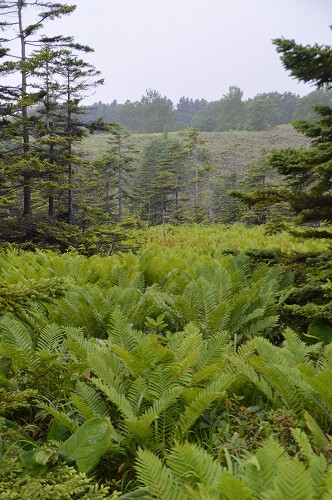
(246,370)
(320,383)
(13,332)
(259,470)
(88,401)
(193,412)
(298,350)
(121,333)
(160,405)
(160,380)
(160,481)
(104,365)
(317,464)
(120,400)
(50,338)
(59,416)
(291,481)
(137,394)
(191,341)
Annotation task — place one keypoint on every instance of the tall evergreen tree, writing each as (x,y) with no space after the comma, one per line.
(78,77)
(27,36)
(307,172)
(116,167)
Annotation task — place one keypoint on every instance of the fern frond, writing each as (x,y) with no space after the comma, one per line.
(128,360)
(142,430)
(317,463)
(137,394)
(76,334)
(161,482)
(258,471)
(160,380)
(50,338)
(269,353)
(60,416)
(120,400)
(193,412)
(192,465)
(88,401)
(13,332)
(281,379)
(292,481)
(192,341)
(121,333)
(297,349)
(106,366)
(169,397)
(320,382)
(326,359)
(249,372)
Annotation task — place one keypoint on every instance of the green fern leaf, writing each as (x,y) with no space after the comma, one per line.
(193,465)
(259,470)
(193,412)
(192,341)
(317,463)
(106,366)
(292,481)
(249,372)
(169,397)
(121,333)
(160,481)
(15,333)
(142,431)
(120,400)
(50,338)
(60,416)
(88,401)
(298,350)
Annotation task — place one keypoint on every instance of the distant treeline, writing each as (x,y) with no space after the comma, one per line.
(155,113)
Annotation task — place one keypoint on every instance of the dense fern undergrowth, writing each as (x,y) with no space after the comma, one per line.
(198,368)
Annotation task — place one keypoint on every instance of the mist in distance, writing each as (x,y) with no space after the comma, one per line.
(193,48)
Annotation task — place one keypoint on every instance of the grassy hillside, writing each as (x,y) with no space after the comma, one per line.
(233,150)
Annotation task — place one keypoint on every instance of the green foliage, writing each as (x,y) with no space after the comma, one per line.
(61,482)
(88,444)
(175,352)
(307,172)
(14,297)
(190,472)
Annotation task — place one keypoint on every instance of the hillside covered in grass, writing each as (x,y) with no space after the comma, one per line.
(230,151)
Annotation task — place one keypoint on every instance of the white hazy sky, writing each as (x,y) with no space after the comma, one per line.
(195,48)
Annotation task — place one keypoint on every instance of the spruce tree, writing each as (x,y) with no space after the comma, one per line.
(116,168)
(307,172)
(27,36)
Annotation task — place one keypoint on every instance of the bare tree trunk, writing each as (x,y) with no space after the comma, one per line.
(24,111)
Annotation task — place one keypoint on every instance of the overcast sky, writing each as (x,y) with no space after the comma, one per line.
(195,48)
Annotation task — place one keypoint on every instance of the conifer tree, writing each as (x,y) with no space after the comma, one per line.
(27,36)
(77,77)
(307,172)
(116,167)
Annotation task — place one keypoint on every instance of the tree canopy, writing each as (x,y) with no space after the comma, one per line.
(307,172)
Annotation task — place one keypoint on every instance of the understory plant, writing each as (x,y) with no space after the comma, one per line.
(136,360)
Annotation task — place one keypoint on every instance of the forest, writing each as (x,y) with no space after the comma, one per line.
(156,113)
(165,281)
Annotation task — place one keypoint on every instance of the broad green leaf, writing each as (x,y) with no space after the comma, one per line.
(88,443)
